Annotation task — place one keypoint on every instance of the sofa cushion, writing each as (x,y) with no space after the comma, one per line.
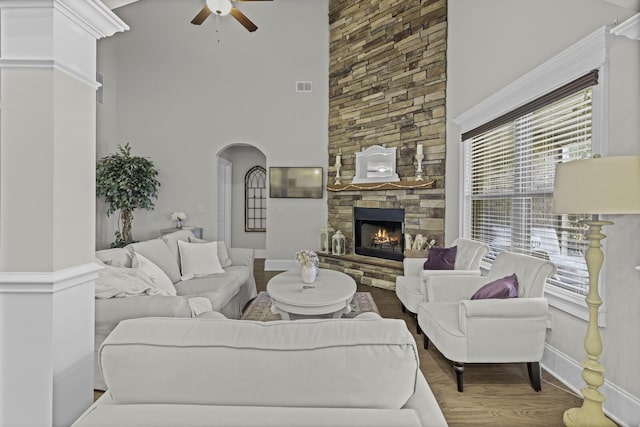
(171,240)
(223,254)
(243,416)
(341,363)
(158,253)
(155,273)
(441,258)
(199,259)
(219,288)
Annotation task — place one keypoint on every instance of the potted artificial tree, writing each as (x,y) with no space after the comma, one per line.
(126,182)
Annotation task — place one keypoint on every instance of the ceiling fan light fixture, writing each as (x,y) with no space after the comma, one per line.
(219,7)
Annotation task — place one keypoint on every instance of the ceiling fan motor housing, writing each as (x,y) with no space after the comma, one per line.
(220,7)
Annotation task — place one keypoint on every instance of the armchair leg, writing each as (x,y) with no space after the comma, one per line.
(404,309)
(425,342)
(533,368)
(418,329)
(458,367)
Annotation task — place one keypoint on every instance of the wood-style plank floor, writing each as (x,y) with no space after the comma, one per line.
(494,395)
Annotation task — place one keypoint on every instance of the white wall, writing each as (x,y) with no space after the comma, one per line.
(492,43)
(179,97)
(243,158)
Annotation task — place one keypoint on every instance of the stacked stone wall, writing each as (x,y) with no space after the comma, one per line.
(387,82)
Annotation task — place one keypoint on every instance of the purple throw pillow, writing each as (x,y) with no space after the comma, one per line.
(441,258)
(507,287)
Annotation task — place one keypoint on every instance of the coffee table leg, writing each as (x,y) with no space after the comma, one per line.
(282,313)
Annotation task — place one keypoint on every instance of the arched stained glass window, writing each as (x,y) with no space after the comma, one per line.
(255,194)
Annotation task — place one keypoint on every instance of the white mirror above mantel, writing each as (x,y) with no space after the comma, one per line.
(376,164)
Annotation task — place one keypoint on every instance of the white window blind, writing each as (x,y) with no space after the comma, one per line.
(509,177)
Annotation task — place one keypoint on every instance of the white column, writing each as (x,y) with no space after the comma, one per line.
(47,206)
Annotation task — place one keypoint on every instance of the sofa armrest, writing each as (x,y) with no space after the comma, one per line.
(242,256)
(413,266)
(452,287)
(425,404)
(112,310)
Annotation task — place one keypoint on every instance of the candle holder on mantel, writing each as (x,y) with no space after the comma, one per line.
(419,158)
(338,166)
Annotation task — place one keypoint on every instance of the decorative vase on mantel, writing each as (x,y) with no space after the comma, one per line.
(309,273)
(179,223)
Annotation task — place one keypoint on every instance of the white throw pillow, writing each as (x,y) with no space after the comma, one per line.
(223,254)
(199,259)
(159,277)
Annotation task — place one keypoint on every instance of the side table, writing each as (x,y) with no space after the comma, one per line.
(197,231)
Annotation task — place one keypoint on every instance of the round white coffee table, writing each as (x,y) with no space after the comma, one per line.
(332,294)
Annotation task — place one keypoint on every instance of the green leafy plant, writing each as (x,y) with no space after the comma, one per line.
(127,183)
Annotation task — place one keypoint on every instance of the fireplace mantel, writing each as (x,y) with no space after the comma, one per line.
(369,186)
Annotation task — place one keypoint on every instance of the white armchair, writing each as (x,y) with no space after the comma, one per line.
(411,289)
(489,330)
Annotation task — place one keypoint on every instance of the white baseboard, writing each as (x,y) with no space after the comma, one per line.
(620,406)
(280,264)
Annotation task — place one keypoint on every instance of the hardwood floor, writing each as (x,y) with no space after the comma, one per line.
(494,394)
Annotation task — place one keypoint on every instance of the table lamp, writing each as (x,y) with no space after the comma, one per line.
(602,185)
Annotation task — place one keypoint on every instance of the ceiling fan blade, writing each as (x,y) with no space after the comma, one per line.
(241,18)
(201,16)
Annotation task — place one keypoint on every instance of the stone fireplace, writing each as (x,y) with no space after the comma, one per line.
(387,87)
(379,232)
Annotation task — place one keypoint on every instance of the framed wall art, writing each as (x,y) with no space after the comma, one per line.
(295,182)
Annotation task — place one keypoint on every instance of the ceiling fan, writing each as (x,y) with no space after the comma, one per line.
(224,7)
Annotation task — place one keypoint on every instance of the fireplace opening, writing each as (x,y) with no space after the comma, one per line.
(379,233)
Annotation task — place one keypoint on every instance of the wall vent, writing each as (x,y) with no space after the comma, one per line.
(303,86)
(100,90)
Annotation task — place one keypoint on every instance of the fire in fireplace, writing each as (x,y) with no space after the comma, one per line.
(379,232)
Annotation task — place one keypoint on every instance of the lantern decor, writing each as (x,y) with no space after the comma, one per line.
(326,234)
(338,243)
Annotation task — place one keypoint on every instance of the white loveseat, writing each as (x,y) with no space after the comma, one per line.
(227,292)
(222,372)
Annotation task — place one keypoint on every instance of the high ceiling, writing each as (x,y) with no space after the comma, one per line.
(627,4)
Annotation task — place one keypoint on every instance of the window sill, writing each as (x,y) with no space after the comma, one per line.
(572,303)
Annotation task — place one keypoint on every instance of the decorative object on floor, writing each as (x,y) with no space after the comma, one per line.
(608,185)
(338,166)
(309,262)
(260,307)
(408,241)
(127,183)
(419,158)
(338,243)
(326,234)
(223,8)
(179,218)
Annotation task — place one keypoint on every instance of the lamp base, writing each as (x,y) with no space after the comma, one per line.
(586,417)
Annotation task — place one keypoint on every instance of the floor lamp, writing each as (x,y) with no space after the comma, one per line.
(607,185)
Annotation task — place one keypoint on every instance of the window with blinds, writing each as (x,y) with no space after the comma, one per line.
(509,176)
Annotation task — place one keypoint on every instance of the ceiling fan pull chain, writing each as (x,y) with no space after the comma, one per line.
(218,28)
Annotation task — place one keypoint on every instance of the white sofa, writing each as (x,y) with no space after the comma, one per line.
(228,292)
(222,372)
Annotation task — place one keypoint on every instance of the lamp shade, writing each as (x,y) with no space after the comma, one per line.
(604,185)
